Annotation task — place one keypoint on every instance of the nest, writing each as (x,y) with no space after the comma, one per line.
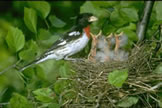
(94,91)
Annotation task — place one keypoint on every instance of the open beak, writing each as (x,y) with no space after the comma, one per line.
(93,18)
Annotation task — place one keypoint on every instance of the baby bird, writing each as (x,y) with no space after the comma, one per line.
(102,51)
(121,41)
(102,48)
(105,47)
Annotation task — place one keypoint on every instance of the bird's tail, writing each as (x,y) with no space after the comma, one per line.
(29,65)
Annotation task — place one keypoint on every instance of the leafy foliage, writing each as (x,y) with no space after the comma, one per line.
(30,19)
(158,69)
(158,9)
(19,101)
(128,102)
(118,77)
(42,7)
(44,94)
(29,53)
(28,28)
(56,22)
(15,39)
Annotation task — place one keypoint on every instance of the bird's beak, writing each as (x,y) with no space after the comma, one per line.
(93,18)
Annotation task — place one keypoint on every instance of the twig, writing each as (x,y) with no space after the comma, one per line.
(154,98)
(156,86)
(142,26)
(10,67)
(145,88)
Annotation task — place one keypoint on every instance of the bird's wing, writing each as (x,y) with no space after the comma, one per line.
(66,38)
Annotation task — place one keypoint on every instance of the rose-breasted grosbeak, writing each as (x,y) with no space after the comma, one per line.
(71,43)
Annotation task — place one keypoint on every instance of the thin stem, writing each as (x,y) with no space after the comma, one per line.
(47,23)
(10,67)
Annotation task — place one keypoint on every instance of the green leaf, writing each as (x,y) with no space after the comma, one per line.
(29,73)
(118,77)
(131,26)
(19,101)
(43,34)
(63,71)
(89,7)
(40,73)
(42,7)
(15,39)
(158,69)
(44,94)
(109,28)
(30,19)
(116,19)
(128,102)
(133,4)
(30,52)
(105,3)
(54,105)
(56,22)
(131,34)
(26,54)
(50,41)
(129,14)
(61,85)
(158,10)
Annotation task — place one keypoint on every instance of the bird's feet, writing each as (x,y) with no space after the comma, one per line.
(74,59)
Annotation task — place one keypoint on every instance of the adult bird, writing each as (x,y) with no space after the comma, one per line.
(71,42)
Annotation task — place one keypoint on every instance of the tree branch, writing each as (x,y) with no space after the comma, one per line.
(142,26)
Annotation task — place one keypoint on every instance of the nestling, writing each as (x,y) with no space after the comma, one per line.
(121,42)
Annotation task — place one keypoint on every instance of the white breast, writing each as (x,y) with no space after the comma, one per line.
(69,49)
(74,47)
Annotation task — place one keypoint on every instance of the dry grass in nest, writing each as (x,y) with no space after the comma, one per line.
(94,91)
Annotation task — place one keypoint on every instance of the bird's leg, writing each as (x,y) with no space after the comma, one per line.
(69,59)
(73,59)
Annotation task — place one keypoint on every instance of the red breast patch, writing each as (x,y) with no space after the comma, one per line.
(87,31)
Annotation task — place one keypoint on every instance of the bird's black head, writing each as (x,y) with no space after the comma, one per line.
(85,19)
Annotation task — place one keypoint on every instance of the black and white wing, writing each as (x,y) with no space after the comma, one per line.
(70,36)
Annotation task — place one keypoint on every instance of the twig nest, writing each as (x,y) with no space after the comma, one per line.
(93,89)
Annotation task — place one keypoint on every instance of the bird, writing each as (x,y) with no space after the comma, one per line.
(121,41)
(111,45)
(70,43)
(102,50)
(102,47)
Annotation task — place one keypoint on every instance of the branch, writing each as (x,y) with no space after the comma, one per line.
(142,26)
